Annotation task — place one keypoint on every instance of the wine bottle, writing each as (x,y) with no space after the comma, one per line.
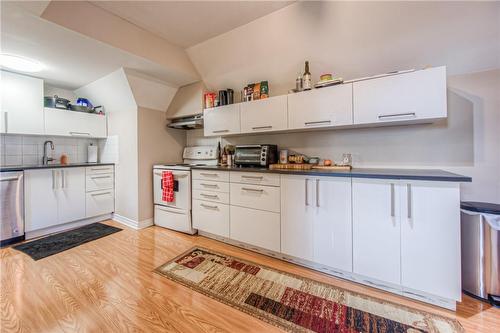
(307,84)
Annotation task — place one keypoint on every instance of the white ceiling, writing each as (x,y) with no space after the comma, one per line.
(71,59)
(187,23)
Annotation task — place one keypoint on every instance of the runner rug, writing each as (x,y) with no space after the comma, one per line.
(294,303)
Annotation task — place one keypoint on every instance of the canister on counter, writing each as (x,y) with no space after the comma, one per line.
(284,156)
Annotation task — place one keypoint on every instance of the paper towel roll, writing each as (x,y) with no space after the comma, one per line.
(92,154)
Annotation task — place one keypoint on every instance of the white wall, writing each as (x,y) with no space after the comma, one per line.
(114,93)
(351,39)
(355,39)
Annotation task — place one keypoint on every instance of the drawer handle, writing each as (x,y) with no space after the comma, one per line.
(99,169)
(312,123)
(386,116)
(79,133)
(209,185)
(252,189)
(99,194)
(209,206)
(100,177)
(208,174)
(221,131)
(262,127)
(215,196)
(252,177)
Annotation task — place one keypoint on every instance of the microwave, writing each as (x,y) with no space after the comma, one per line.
(256,155)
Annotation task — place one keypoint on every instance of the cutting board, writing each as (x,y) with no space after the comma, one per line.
(332,167)
(291,166)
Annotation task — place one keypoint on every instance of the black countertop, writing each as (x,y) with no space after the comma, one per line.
(48,166)
(408,174)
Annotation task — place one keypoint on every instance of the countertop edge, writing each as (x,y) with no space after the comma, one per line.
(49,166)
(356,173)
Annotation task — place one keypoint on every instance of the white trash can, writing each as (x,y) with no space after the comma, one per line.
(480,226)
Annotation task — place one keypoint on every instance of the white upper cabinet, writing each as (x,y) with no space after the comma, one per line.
(430,238)
(22,104)
(264,115)
(222,120)
(417,96)
(324,107)
(71,123)
(376,229)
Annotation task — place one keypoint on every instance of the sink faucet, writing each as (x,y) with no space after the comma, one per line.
(46,159)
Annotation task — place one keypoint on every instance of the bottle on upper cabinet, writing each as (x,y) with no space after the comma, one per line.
(307,79)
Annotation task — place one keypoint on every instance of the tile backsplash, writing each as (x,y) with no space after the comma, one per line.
(28,149)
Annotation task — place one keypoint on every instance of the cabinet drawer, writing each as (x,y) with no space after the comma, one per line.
(256,196)
(208,185)
(211,217)
(255,178)
(222,176)
(100,202)
(221,197)
(99,182)
(98,169)
(256,227)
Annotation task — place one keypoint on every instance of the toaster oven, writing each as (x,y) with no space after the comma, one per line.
(256,155)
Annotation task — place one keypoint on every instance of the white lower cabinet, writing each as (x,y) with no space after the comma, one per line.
(54,196)
(100,202)
(211,217)
(100,190)
(407,233)
(376,229)
(316,220)
(430,238)
(255,227)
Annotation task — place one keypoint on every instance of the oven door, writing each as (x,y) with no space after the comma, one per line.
(182,189)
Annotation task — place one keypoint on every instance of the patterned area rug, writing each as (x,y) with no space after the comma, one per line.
(294,303)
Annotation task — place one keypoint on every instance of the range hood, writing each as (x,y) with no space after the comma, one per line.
(187,123)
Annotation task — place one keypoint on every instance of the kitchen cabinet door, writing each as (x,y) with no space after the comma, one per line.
(255,227)
(324,107)
(211,217)
(222,120)
(264,115)
(413,96)
(332,222)
(71,123)
(297,207)
(21,99)
(376,229)
(40,205)
(71,194)
(430,238)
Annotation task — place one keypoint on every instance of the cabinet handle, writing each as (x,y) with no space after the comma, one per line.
(253,177)
(6,121)
(393,210)
(386,116)
(209,206)
(99,169)
(252,189)
(79,133)
(312,123)
(208,174)
(215,196)
(306,196)
(221,131)
(317,192)
(408,197)
(262,127)
(209,185)
(53,180)
(99,177)
(99,194)
(63,181)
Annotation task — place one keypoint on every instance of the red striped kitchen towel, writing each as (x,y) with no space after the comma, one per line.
(167,184)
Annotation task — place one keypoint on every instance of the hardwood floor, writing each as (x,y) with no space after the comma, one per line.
(108,285)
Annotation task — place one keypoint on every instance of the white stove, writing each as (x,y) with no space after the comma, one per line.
(176,215)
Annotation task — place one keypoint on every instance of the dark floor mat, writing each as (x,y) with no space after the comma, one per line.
(63,241)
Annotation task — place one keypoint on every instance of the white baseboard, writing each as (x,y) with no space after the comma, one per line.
(132,223)
(66,226)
